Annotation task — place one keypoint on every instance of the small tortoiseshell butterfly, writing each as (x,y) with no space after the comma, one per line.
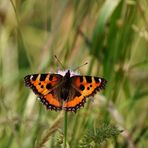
(64,90)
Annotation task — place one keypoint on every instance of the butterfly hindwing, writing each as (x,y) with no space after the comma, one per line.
(51,102)
(43,85)
(85,86)
(75,103)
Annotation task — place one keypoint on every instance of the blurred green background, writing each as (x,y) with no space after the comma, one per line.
(111,35)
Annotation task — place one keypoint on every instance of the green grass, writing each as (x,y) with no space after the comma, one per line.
(112,36)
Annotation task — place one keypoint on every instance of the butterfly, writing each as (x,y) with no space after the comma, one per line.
(64,91)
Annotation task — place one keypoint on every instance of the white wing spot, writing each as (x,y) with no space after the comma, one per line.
(31,77)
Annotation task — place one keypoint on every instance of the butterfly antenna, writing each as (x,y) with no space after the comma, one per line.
(80,66)
(59,62)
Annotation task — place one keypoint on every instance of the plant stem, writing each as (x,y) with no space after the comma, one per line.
(65,129)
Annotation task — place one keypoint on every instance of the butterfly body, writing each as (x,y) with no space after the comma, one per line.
(65,87)
(64,91)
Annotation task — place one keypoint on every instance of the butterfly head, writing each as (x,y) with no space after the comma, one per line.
(67,74)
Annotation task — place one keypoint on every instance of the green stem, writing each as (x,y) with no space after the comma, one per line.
(65,129)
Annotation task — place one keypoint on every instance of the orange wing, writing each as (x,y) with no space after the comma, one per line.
(85,86)
(51,102)
(43,86)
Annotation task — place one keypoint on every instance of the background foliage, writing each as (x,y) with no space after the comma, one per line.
(112,36)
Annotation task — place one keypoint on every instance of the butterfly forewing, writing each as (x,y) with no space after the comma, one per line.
(42,84)
(88,85)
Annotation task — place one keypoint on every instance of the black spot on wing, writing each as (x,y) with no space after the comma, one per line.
(88,79)
(81,78)
(82,87)
(43,77)
(34,77)
(88,88)
(97,79)
(50,77)
(48,86)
